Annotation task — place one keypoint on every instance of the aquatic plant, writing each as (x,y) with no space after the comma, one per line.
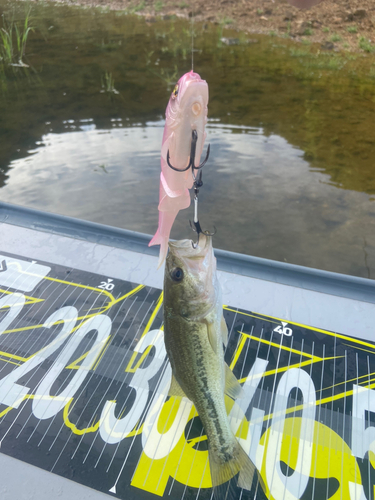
(321,60)
(108,83)
(109,46)
(3,84)
(299,52)
(6,47)
(13,39)
(168,76)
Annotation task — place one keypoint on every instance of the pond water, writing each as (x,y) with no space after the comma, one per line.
(291,175)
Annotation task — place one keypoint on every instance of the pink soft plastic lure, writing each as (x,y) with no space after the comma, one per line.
(186,111)
(304,4)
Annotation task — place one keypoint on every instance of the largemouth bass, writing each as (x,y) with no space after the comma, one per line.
(194,332)
(186,111)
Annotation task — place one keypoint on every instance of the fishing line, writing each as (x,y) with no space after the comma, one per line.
(192,38)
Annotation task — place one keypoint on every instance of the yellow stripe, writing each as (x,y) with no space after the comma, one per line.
(78,285)
(133,369)
(105,308)
(238,352)
(92,428)
(130,368)
(154,313)
(73,427)
(12,356)
(285,368)
(257,316)
(29,300)
(103,351)
(11,362)
(326,332)
(350,380)
(372,351)
(284,348)
(132,292)
(319,402)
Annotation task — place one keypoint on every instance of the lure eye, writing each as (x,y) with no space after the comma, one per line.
(175,92)
(196,108)
(177,274)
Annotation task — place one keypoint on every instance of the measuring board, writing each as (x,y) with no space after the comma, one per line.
(84,381)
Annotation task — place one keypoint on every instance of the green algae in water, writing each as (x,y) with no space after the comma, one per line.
(291,174)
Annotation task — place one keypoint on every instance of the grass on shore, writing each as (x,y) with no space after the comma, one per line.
(13,40)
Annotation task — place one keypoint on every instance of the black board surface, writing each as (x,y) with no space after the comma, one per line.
(84,381)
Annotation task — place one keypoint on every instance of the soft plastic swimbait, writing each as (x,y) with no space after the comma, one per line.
(186,112)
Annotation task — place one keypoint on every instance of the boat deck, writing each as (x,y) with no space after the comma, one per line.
(84,378)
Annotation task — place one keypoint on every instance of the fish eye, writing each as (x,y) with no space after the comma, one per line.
(177,274)
(175,92)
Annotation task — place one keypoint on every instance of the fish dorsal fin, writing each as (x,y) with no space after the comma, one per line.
(175,389)
(224,331)
(232,387)
(212,335)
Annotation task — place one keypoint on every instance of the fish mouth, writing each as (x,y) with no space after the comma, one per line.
(199,260)
(185,249)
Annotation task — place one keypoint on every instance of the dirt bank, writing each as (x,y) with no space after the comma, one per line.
(335,24)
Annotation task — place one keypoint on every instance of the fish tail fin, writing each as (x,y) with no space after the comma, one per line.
(223,473)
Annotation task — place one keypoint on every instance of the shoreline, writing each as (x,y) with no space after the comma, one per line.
(335,25)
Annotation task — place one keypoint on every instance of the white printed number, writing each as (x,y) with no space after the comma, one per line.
(283,330)
(107,285)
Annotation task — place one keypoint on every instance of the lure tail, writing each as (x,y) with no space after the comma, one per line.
(168,210)
(158,239)
(223,473)
(166,220)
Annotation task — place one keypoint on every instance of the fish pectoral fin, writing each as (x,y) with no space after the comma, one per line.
(233,389)
(212,337)
(175,389)
(224,331)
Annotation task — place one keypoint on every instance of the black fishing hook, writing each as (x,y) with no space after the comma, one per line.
(198,183)
(194,139)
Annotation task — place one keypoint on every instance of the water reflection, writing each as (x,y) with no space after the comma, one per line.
(290,176)
(258,191)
